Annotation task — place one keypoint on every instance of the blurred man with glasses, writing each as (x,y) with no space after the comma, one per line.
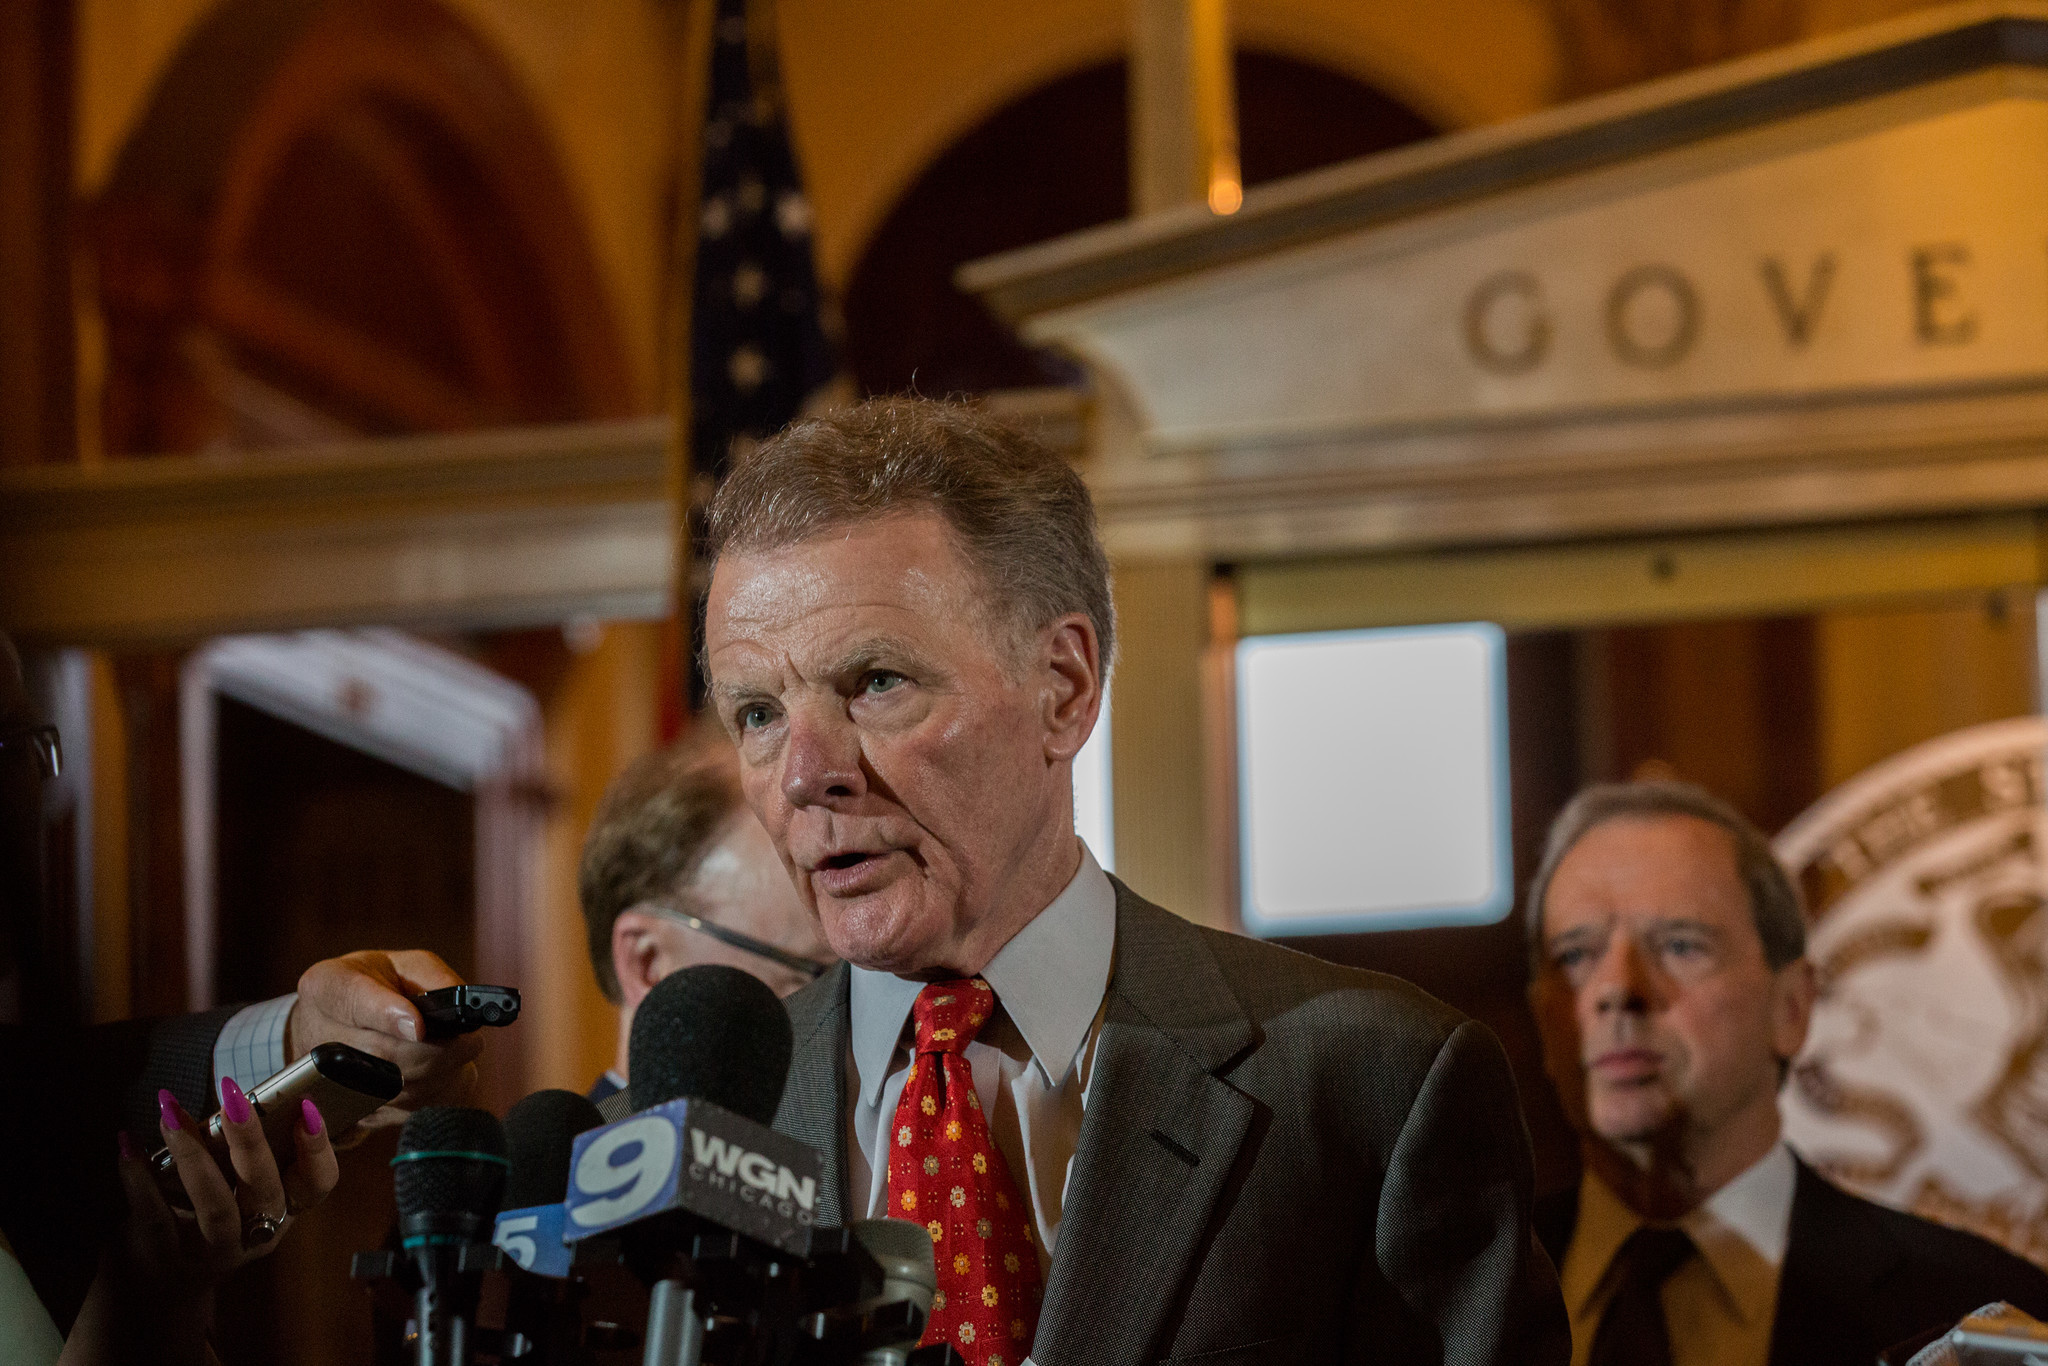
(676,872)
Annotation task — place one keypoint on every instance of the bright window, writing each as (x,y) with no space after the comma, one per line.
(1093,818)
(1373,779)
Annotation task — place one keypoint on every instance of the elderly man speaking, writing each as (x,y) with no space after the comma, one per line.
(1130,1139)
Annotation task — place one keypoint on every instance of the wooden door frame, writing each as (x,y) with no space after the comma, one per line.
(410,703)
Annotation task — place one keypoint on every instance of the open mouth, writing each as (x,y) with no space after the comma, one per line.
(838,862)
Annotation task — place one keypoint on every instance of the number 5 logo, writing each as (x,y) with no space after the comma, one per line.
(512,1236)
(625,1169)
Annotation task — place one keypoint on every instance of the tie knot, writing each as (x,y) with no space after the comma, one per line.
(950,1014)
(1651,1255)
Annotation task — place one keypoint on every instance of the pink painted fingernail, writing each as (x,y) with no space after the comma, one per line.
(233,1103)
(130,1149)
(167,1107)
(310,1112)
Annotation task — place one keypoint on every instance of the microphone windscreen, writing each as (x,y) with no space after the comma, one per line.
(712,1033)
(540,1133)
(451,1160)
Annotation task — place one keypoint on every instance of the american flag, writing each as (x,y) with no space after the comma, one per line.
(758,349)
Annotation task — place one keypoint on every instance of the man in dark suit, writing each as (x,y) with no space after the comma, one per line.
(1672,991)
(1131,1139)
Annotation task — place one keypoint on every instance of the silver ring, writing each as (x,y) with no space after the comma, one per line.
(259,1229)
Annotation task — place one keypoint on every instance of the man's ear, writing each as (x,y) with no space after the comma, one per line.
(1073,684)
(635,951)
(1793,991)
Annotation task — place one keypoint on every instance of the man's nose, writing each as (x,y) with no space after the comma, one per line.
(1620,979)
(822,760)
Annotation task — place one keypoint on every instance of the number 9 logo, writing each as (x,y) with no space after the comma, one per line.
(626,1167)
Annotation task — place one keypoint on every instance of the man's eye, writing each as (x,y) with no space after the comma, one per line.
(754,716)
(1685,947)
(1568,958)
(880,681)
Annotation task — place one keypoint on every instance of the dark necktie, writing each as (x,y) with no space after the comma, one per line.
(1632,1331)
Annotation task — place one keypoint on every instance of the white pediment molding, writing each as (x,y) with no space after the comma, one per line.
(1808,287)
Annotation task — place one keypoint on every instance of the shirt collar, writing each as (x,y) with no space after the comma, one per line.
(1741,1231)
(1050,979)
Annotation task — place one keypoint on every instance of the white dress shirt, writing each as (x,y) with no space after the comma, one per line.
(1719,1305)
(1031,1062)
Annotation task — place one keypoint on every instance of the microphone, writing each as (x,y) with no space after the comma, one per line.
(709,1053)
(544,1302)
(450,1174)
(713,1033)
(540,1134)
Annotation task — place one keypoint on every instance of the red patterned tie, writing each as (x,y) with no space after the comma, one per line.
(945,1172)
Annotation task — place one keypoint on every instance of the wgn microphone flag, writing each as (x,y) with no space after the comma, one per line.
(709,1054)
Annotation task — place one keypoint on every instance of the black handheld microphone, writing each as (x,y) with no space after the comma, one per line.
(545,1301)
(710,1033)
(450,1175)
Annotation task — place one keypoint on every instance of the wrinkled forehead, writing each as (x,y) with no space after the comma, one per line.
(899,583)
(1639,868)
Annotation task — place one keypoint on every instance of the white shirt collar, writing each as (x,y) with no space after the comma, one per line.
(1050,979)
(1746,1222)
(1755,1207)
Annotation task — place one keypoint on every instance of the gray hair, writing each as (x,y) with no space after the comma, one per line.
(1020,514)
(1774,903)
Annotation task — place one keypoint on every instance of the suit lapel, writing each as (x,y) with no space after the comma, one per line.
(1160,1136)
(1835,1255)
(813,1107)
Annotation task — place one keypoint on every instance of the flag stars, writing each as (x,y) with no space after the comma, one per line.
(715,219)
(749,284)
(748,368)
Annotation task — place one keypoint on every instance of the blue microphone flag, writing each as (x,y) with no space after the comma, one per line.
(698,1157)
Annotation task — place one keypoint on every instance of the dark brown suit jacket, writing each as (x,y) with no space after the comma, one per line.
(1281,1160)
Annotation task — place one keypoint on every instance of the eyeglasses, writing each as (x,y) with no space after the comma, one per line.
(43,741)
(746,943)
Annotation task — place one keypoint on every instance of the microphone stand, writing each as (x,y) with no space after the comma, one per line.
(675,1330)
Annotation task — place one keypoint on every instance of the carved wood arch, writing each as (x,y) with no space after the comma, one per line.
(344,217)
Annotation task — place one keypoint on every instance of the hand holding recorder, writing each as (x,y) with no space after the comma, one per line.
(367,1001)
